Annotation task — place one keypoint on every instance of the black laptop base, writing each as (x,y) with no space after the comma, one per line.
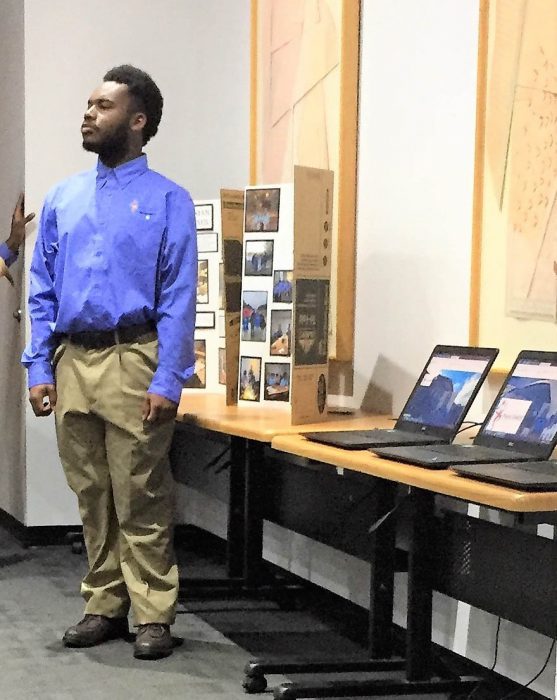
(443,456)
(364,439)
(529,476)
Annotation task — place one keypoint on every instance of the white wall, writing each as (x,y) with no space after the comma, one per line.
(417,114)
(11,183)
(198,53)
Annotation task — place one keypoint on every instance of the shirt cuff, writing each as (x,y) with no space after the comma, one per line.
(169,384)
(40,373)
(8,255)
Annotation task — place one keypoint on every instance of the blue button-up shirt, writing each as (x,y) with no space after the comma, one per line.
(8,255)
(116,247)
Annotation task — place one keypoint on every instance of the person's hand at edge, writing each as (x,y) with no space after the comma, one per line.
(158,409)
(19,222)
(42,398)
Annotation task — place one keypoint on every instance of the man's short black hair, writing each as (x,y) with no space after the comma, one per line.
(144,90)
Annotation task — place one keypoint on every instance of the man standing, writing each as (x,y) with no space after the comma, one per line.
(112,306)
(9,249)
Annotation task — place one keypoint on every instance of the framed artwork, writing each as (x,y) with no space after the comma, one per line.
(205,319)
(203,281)
(222,366)
(513,301)
(207,243)
(304,111)
(204,217)
(262,210)
(199,378)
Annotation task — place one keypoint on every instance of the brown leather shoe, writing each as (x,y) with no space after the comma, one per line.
(96,629)
(153,641)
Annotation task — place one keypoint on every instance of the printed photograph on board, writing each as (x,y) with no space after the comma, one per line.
(250,378)
(311,322)
(254,316)
(282,286)
(199,378)
(281,332)
(262,210)
(202,281)
(259,258)
(277,381)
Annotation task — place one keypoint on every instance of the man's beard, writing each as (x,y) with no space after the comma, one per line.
(114,146)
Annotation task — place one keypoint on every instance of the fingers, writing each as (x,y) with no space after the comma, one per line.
(43,399)
(29,218)
(4,272)
(146,408)
(19,207)
(52,396)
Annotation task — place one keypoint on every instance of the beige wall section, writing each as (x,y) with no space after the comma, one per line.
(12,474)
(198,52)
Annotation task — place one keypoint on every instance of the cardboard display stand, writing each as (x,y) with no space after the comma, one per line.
(285,294)
(232,208)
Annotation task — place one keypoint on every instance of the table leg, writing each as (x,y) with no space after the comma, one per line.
(419,677)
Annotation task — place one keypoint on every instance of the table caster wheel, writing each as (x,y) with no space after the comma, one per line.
(254,684)
(284,692)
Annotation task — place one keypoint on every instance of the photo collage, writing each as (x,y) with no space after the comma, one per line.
(209,371)
(267,295)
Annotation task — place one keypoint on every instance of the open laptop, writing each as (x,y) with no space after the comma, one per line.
(436,406)
(526,476)
(521,425)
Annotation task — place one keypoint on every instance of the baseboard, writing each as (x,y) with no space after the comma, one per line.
(38,535)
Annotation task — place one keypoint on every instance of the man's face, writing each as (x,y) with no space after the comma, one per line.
(109,120)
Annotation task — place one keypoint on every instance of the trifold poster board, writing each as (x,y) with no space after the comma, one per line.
(209,319)
(232,208)
(286,267)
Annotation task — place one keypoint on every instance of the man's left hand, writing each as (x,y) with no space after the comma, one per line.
(158,409)
(19,221)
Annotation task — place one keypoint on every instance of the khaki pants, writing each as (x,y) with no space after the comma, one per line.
(118,468)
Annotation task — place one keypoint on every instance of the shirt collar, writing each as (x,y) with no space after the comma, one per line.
(124,173)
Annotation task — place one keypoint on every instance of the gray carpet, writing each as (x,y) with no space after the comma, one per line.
(39,598)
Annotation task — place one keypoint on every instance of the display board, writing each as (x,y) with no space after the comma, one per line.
(514,281)
(286,267)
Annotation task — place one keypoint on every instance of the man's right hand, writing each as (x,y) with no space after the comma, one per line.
(37,396)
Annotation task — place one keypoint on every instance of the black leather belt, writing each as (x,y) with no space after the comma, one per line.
(97,340)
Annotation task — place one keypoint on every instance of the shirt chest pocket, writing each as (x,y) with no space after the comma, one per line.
(145,231)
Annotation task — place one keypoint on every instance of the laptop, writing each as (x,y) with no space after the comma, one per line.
(521,425)
(526,476)
(436,407)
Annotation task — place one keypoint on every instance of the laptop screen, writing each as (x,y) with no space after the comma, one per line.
(447,387)
(526,408)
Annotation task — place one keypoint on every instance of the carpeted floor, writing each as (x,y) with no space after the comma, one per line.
(39,598)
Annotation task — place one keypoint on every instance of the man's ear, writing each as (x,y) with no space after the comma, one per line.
(138,121)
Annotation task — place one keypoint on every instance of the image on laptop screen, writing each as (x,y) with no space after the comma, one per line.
(444,389)
(526,410)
